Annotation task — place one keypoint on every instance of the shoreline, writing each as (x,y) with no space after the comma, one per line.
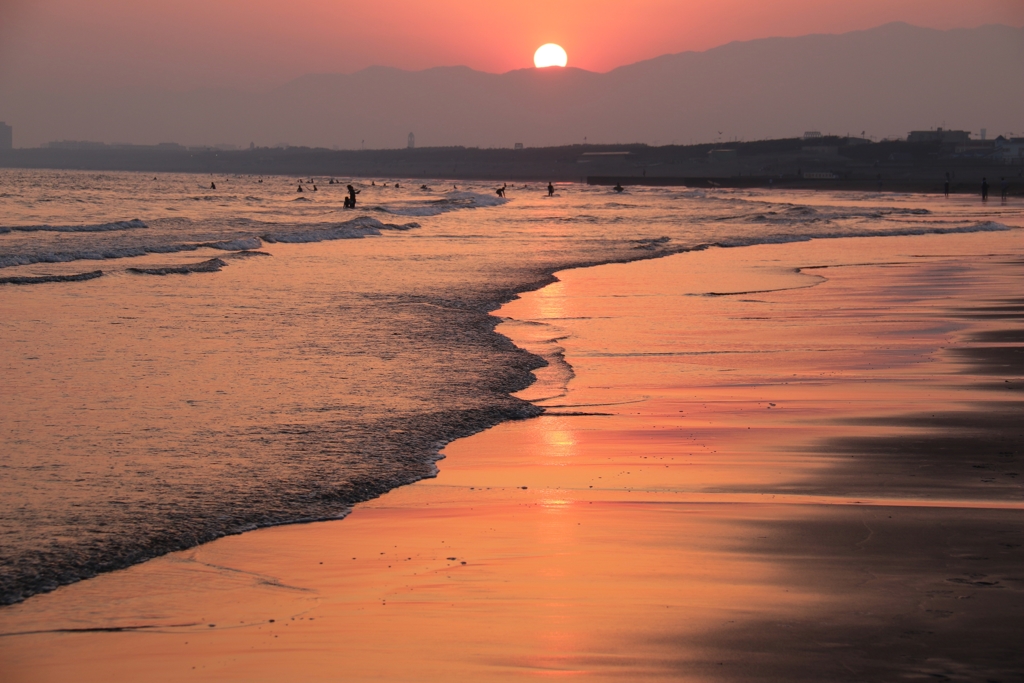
(539,473)
(422,435)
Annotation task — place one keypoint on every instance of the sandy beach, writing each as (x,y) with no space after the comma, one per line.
(781,462)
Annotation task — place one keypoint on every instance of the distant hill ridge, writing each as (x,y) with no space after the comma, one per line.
(885,81)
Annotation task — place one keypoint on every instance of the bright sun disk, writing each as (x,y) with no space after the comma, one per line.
(550,55)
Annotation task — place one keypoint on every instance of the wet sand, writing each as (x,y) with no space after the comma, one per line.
(746,472)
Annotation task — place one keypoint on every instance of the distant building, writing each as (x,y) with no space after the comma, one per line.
(519,145)
(812,134)
(6,136)
(412,141)
(945,137)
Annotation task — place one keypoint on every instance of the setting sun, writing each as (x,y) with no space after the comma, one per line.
(550,55)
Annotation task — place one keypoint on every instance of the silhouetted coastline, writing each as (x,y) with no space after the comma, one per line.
(832,163)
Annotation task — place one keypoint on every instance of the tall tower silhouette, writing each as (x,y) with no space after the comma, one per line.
(412,141)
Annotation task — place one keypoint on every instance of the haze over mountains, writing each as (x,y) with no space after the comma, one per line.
(884,81)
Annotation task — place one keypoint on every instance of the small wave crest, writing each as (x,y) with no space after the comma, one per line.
(452,201)
(39,279)
(794,215)
(133,224)
(212,266)
(239,244)
(363,226)
(908,231)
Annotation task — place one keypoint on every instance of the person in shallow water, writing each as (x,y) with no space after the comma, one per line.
(551,190)
(618,187)
(352,192)
(501,191)
(300,187)
(984,189)
(213,186)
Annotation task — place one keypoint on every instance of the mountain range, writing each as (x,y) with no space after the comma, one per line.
(882,82)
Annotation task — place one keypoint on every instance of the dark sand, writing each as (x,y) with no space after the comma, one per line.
(746,473)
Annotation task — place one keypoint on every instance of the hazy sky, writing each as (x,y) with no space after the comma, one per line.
(256,44)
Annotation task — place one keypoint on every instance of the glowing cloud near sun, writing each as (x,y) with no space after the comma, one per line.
(550,55)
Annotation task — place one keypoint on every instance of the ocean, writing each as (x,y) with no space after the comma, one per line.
(187,357)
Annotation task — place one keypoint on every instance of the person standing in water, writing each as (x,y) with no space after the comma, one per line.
(213,186)
(551,190)
(984,189)
(352,192)
(300,187)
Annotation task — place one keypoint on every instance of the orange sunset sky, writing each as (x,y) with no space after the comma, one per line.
(257,44)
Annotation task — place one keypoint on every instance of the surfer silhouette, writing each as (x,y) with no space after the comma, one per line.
(300,187)
(618,187)
(213,186)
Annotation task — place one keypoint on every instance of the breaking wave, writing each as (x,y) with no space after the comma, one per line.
(363,226)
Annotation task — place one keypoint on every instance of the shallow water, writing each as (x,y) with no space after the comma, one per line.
(326,360)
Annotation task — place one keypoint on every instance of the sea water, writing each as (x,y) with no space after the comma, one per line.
(182,362)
